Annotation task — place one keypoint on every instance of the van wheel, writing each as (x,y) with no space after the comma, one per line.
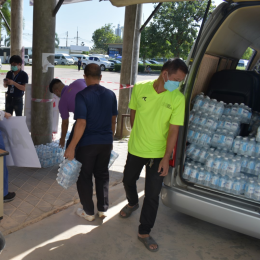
(62,63)
(102,67)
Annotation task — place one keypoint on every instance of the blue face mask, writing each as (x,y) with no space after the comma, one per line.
(14,68)
(171,85)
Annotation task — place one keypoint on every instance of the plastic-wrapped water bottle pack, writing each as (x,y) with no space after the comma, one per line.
(68,172)
(217,157)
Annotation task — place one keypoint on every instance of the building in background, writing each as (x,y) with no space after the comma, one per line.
(118,31)
(115,50)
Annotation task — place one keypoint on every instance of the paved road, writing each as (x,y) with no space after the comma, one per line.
(66,236)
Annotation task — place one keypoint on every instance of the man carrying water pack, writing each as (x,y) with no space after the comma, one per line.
(157,111)
(95,112)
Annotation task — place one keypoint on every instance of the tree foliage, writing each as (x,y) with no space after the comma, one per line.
(6,9)
(103,36)
(248,53)
(173,29)
(97,51)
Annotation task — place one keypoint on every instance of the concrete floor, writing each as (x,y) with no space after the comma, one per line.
(66,236)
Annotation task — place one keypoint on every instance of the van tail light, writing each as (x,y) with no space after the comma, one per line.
(172,161)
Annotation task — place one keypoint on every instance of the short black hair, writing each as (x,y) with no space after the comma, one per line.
(172,65)
(93,70)
(53,82)
(16,59)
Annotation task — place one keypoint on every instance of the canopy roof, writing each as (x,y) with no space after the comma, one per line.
(119,3)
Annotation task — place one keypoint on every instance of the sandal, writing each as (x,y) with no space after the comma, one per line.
(147,241)
(128,211)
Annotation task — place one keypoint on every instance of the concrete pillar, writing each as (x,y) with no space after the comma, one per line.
(17,27)
(42,70)
(130,57)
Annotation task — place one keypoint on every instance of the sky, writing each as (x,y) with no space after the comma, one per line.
(85,17)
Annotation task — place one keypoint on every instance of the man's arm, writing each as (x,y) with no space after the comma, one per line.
(64,130)
(11,82)
(171,141)
(132,117)
(78,132)
(113,125)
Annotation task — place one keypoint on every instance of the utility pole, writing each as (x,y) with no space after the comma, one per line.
(42,70)
(67,39)
(17,27)
(130,57)
(77,37)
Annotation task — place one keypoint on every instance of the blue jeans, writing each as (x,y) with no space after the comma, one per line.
(14,104)
(2,146)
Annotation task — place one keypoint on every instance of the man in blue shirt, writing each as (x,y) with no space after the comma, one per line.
(79,64)
(15,80)
(95,112)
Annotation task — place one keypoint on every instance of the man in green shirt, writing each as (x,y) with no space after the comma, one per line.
(157,111)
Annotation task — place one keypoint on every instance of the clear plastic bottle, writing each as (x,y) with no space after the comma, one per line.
(219,109)
(192,114)
(207,178)
(258,134)
(201,176)
(196,135)
(187,170)
(243,183)
(202,154)
(237,186)
(205,104)
(209,162)
(228,122)
(229,141)
(240,111)
(210,121)
(250,188)
(235,125)
(221,122)
(224,166)
(244,162)
(196,118)
(190,150)
(231,170)
(203,137)
(250,165)
(198,101)
(256,195)
(236,144)
(203,119)
(243,146)
(214,181)
(251,147)
(195,154)
(228,184)
(211,106)
(238,164)
(257,149)
(215,138)
(234,110)
(221,182)
(257,167)
(193,174)
(216,165)
(191,132)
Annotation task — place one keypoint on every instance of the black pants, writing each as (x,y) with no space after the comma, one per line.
(79,67)
(14,104)
(94,159)
(153,185)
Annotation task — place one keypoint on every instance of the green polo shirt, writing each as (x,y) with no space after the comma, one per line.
(154,114)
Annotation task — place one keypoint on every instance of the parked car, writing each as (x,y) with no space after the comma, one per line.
(225,37)
(102,62)
(115,61)
(154,62)
(64,59)
(26,59)
(0,63)
(75,60)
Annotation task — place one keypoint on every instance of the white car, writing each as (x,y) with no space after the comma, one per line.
(102,62)
(27,60)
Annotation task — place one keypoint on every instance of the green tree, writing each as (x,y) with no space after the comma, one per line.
(103,36)
(248,54)
(85,52)
(174,28)
(57,40)
(6,9)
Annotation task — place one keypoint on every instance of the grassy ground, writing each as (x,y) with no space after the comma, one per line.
(241,68)
(75,67)
(3,71)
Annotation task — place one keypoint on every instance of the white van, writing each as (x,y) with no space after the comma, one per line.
(83,57)
(213,61)
(63,59)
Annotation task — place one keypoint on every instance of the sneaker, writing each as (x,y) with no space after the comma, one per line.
(83,214)
(9,197)
(102,214)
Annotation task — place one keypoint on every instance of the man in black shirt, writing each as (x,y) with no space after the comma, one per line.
(15,80)
(79,64)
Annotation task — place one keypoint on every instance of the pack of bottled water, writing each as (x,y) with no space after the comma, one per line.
(49,154)
(113,157)
(217,156)
(68,173)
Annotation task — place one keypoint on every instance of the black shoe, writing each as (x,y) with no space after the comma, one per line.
(9,197)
